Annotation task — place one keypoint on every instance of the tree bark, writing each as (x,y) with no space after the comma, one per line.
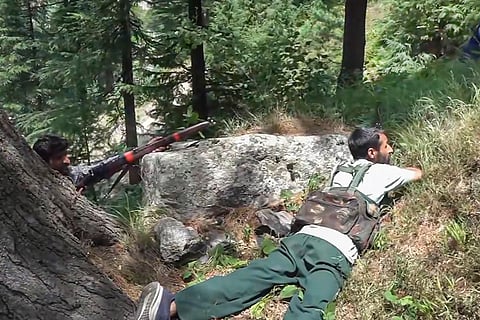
(44,272)
(20,165)
(353,55)
(197,57)
(128,97)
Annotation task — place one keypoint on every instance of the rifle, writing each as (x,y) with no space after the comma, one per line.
(112,165)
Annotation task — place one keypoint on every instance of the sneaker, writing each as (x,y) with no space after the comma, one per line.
(154,303)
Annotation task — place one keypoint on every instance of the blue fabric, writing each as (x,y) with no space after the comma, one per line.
(471,49)
(163,312)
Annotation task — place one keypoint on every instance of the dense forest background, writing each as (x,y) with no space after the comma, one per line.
(81,68)
(85,69)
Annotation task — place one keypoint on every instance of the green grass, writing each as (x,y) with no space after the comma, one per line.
(430,269)
(395,100)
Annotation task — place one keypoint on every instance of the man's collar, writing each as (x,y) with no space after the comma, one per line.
(362,161)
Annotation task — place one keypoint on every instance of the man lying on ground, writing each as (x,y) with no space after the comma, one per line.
(317,257)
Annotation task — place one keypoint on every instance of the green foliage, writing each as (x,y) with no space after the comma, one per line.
(456,234)
(196,272)
(397,99)
(290,200)
(329,313)
(289,291)
(165,72)
(247,233)
(190,117)
(64,77)
(416,21)
(19,59)
(380,241)
(268,245)
(126,208)
(315,182)
(125,205)
(264,53)
(258,55)
(218,257)
(410,28)
(411,308)
(257,310)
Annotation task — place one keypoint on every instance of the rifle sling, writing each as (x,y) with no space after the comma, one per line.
(120,176)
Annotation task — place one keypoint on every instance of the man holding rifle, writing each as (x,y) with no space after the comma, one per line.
(53,150)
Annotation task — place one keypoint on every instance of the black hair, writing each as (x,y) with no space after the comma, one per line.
(49,146)
(362,139)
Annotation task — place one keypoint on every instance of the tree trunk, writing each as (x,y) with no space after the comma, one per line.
(353,56)
(44,272)
(30,27)
(128,97)
(199,99)
(85,220)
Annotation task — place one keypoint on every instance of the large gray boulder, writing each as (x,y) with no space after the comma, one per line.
(236,171)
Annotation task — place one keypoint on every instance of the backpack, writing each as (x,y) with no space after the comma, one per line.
(344,209)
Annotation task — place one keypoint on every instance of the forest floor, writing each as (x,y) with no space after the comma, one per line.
(134,263)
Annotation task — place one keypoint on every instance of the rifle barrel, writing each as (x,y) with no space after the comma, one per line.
(135,154)
(110,166)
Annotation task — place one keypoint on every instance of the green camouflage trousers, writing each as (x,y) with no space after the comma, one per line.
(314,264)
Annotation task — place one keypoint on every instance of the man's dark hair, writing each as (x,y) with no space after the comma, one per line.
(362,139)
(50,145)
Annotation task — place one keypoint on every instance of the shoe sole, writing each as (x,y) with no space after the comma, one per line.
(149,305)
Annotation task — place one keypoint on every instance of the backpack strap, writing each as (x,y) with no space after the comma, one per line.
(339,168)
(358,174)
(332,175)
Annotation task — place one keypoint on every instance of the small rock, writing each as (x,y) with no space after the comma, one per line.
(276,222)
(261,201)
(218,238)
(178,244)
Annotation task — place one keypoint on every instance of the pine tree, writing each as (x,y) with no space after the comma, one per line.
(18,56)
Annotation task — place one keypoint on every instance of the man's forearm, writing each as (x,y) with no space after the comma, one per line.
(78,172)
(418,172)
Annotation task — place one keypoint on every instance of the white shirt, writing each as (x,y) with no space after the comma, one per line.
(376,183)
(378,180)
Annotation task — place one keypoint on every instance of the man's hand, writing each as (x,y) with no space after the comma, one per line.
(159,149)
(418,172)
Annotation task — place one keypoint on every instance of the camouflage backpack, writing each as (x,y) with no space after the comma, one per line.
(344,209)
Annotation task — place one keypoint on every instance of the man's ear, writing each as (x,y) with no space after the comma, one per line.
(371,153)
